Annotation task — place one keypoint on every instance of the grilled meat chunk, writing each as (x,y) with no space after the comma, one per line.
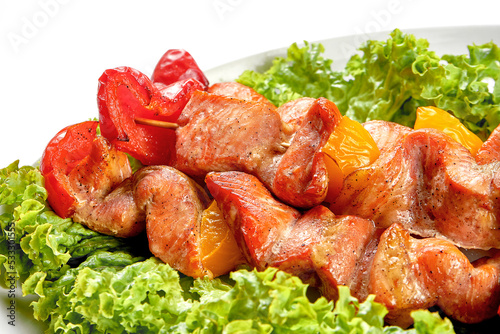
(410,273)
(430,184)
(220,133)
(160,199)
(105,196)
(173,205)
(302,178)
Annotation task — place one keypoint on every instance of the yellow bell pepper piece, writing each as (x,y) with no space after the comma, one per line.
(219,250)
(349,147)
(436,118)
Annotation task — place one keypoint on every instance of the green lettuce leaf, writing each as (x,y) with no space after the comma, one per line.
(277,302)
(389,80)
(304,72)
(258,302)
(44,241)
(111,293)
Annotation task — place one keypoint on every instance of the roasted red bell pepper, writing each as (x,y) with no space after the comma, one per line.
(68,147)
(177,95)
(126,94)
(176,65)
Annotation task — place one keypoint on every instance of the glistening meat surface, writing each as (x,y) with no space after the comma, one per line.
(160,199)
(173,205)
(404,273)
(430,184)
(411,273)
(220,133)
(105,197)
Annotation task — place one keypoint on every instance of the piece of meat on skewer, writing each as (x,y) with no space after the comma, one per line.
(173,205)
(429,183)
(167,203)
(404,273)
(411,272)
(302,178)
(220,133)
(104,192)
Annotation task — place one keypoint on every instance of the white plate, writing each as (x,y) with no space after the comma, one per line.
(453,40)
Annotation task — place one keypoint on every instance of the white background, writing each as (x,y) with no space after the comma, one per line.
(52,52)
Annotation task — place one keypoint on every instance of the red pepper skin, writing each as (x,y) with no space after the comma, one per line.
(176,65)
(63,152)
(126,94)
(178,94)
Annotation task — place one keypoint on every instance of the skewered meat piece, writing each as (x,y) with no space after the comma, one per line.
(220,133)
(248,205)
(104,192)
(173,205)
(409,273)
(404,273)
(302,178)
(429,183)
(160,199)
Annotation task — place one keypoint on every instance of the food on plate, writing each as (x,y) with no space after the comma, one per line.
(217,131)
(65,150)
(86,280)
(177,65)
(126,94)
(429,183)
(389,79)
(435,118)
(404,273)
